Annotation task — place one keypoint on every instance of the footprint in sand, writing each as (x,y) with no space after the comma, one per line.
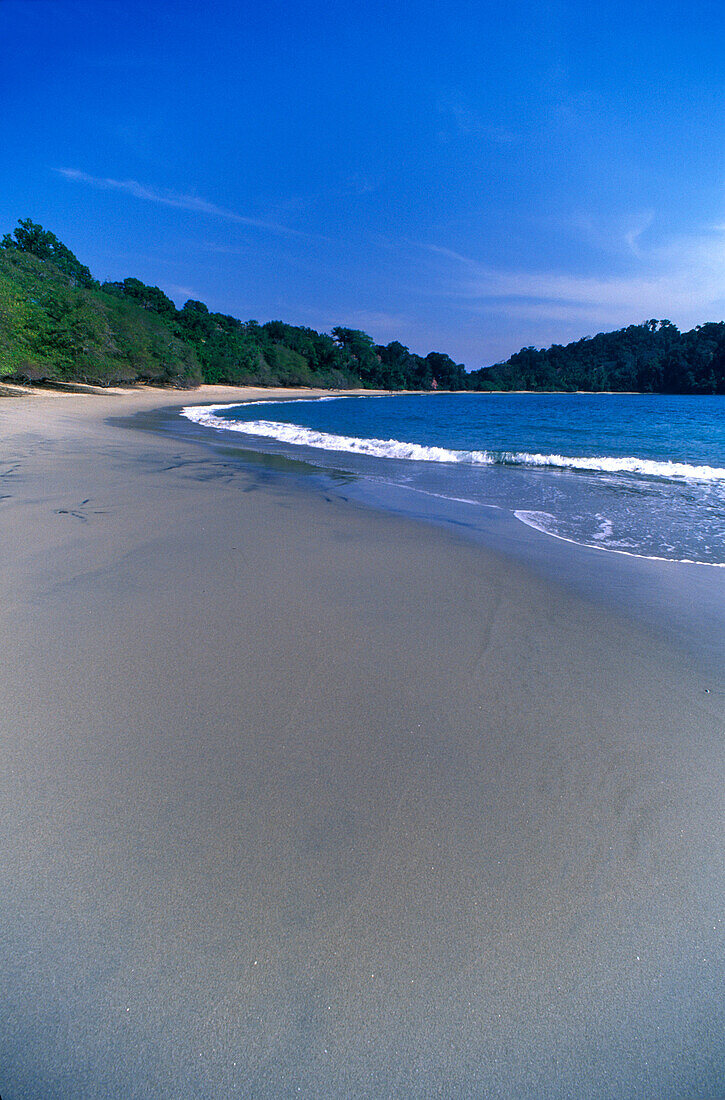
(81,512)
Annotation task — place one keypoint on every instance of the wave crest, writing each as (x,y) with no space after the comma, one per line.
(297,435)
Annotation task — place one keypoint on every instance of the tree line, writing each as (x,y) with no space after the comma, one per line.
(654,357)
(59,323)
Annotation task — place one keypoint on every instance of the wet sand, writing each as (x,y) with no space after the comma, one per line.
(302,799)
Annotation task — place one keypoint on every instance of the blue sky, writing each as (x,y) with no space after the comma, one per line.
(463,177)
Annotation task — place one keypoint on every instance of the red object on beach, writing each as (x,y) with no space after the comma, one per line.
(434,385)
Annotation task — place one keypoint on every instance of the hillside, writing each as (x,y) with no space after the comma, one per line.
(654,357)
(57,323)
(53,328)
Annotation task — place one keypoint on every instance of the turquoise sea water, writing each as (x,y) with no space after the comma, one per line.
(634,474)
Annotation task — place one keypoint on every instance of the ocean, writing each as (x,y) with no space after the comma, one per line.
(639,475)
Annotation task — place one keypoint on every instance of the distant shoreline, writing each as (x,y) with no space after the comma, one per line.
(140,336)
(65,389)
(174,394)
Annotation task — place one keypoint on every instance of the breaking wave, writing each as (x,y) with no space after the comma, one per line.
(298,435)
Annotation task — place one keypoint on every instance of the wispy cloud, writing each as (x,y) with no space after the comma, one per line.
(179,201)
(683,280)
(460,119)
(619,234)
(636,229)
(181,293)
(225,250)
(379,320)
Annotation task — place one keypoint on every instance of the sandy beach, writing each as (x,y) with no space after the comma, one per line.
(303,799)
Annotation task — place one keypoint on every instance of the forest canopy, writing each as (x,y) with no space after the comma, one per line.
(58,323)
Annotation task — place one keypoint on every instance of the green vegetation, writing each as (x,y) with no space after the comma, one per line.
(57,323)
(654,357)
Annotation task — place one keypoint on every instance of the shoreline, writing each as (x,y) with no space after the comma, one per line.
(302,797)
(692,617)
(151,396)
(16,389)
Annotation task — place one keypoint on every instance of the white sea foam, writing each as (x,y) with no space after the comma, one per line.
(670,471)
(605,530)
(545,523)
(297,435)
(326,441)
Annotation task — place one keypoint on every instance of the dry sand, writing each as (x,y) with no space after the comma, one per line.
(299,799)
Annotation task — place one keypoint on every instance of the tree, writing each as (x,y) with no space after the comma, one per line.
(447,374)
(28,236)
(149,297)
(361,353)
